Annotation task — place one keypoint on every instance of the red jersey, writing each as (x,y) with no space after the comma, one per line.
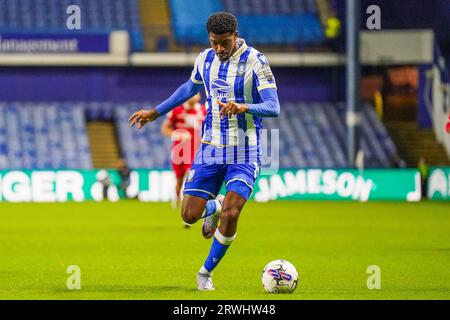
(447,126)
(183,118)
(191,121)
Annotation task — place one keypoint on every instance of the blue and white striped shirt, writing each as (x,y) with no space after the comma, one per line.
(238,79)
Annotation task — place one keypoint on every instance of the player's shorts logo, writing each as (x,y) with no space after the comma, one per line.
(220,89)
(190,175)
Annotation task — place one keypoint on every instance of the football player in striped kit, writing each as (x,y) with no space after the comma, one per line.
(241,90)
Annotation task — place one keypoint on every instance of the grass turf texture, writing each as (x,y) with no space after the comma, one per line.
(132,250)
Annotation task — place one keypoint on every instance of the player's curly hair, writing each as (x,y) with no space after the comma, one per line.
(221,23)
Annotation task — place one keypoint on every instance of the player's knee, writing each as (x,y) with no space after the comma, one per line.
(230,214)
(188,215)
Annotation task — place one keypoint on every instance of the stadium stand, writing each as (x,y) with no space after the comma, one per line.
(52,136)
(188,21)
(49,16)
(315,138)
(150,149)
(263,22)
(43,136)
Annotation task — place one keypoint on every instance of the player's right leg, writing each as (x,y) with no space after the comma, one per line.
(200,190)
(192,208)
(195,208)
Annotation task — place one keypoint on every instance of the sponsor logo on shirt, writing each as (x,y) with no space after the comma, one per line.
(220,89)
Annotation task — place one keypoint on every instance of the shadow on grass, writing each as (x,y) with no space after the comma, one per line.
(140,289)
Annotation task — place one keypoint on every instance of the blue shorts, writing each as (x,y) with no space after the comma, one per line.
(205,179)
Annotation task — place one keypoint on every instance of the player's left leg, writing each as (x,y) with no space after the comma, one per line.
(223,237)
(225,234)
(179,171)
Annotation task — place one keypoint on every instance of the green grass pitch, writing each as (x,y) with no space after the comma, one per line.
(132,250)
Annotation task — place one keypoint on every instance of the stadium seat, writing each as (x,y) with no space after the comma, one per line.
(49,16)
(188,21)
(261,22)
(53,136)
(43,136)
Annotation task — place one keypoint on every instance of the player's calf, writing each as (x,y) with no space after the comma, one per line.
(228,220)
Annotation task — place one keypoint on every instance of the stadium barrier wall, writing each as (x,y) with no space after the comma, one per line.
(438,185)
(127,84)
(71,49)
(158,185)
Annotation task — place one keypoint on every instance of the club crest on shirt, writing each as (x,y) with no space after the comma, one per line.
(241,69)
(220,89)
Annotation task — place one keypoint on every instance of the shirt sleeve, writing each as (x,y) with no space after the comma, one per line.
(263,73)
(196,76)
(270,107)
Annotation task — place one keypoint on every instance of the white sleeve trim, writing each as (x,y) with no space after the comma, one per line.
(267,86)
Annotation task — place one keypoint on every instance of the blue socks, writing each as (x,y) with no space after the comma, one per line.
(218,249)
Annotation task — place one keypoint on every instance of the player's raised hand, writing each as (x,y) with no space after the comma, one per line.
(142,117)
(230,108)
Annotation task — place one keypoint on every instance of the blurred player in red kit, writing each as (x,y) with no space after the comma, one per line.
(183,126)
(447,126)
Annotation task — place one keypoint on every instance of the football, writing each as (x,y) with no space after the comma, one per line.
(279,276)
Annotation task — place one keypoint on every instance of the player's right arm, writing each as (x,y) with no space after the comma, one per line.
(182,94)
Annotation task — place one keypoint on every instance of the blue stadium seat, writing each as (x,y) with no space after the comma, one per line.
(261,22)
(53,136)
(317,137)
(43,136)
(153,151)
(188,20)
(49,16)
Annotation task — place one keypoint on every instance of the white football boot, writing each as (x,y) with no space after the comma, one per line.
(210,223)
(204,282)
